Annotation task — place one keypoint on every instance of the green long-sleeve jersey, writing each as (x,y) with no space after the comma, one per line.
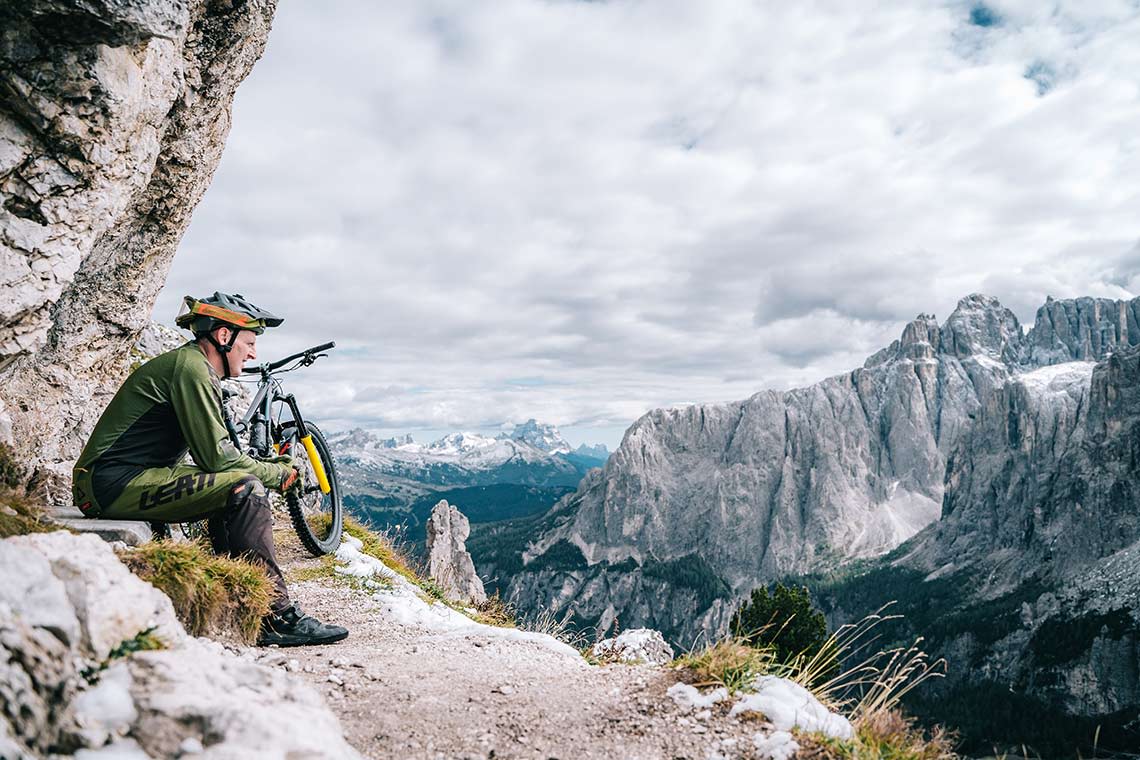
(167,406)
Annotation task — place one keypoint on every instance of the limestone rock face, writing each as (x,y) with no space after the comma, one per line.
(1035,563)
(449,563)
(110,603)
(112,119)
(709,501)
(1082,329)
(67,604)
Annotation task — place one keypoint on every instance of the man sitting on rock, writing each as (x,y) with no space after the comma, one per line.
(131,467)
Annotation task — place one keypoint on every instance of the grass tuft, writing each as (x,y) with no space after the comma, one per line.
(731,663)
(384,549)
(21,515)
(883,735)
(212,595)
(325,568)
(145,640)
(869,691)
(497,612)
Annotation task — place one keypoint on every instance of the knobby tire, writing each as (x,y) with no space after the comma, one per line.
(313,543)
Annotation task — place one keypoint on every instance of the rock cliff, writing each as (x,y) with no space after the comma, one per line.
(1028,584)
(701,504)
(113,116)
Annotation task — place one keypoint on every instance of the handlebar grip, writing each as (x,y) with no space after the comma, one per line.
(324,347)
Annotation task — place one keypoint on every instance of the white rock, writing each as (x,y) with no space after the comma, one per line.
(689,697)
(778,745)
(31,590)
(123,749)
(190,746)
(111,603)
(107,706)
(639,645)
(260,712)
(788,705)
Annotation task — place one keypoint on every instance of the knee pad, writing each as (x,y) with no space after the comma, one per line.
(247,491)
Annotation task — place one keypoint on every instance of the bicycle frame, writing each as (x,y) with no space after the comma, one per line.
(264,440)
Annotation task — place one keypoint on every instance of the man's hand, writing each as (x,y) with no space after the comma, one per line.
(292,478)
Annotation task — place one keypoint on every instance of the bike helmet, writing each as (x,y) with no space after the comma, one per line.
(203,316)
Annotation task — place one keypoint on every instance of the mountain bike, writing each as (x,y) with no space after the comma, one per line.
(273,425)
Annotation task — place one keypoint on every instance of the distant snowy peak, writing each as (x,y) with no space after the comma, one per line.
(541,436)
(359,438)
(528,446)
(597,451)
(462,443)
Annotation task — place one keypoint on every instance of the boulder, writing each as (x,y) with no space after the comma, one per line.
(449,562)
(111,603)
(639,645)
(200,691)
(67,605)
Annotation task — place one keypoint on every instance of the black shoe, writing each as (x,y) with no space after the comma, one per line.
(292,628)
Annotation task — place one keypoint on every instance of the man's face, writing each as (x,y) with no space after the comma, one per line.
(244,349)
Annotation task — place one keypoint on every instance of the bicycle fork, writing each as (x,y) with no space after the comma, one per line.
(307,442)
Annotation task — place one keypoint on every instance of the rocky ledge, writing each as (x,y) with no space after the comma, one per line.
(92,658)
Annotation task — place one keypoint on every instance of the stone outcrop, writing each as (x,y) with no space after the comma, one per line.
(112,119)
(449,563)
(699,505)
(67,607)
(636,646)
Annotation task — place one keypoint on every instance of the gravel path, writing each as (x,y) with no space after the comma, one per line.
(408,691)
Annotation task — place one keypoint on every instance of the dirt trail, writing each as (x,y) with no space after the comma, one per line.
(404,690)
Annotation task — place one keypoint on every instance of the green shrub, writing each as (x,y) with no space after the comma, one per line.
(782,620)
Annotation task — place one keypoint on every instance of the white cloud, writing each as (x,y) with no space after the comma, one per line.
(642,204)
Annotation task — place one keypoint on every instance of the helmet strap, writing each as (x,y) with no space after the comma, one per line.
(224,349)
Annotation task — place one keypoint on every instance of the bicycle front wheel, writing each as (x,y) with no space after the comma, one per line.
(318,517)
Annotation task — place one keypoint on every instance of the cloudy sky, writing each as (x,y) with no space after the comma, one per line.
(578,211)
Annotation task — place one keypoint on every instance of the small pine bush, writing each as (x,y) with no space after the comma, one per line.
(782,620)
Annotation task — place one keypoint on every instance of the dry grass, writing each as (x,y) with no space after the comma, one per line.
(730,663)
(387,550)
(878,679)
(547,622)
(883,735)
(212,595)
(21,515)
(868,692)
(496,612)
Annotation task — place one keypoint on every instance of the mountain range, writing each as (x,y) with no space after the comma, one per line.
(396,481)
(983,476)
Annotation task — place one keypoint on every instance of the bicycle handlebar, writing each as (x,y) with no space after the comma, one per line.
(307,353)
